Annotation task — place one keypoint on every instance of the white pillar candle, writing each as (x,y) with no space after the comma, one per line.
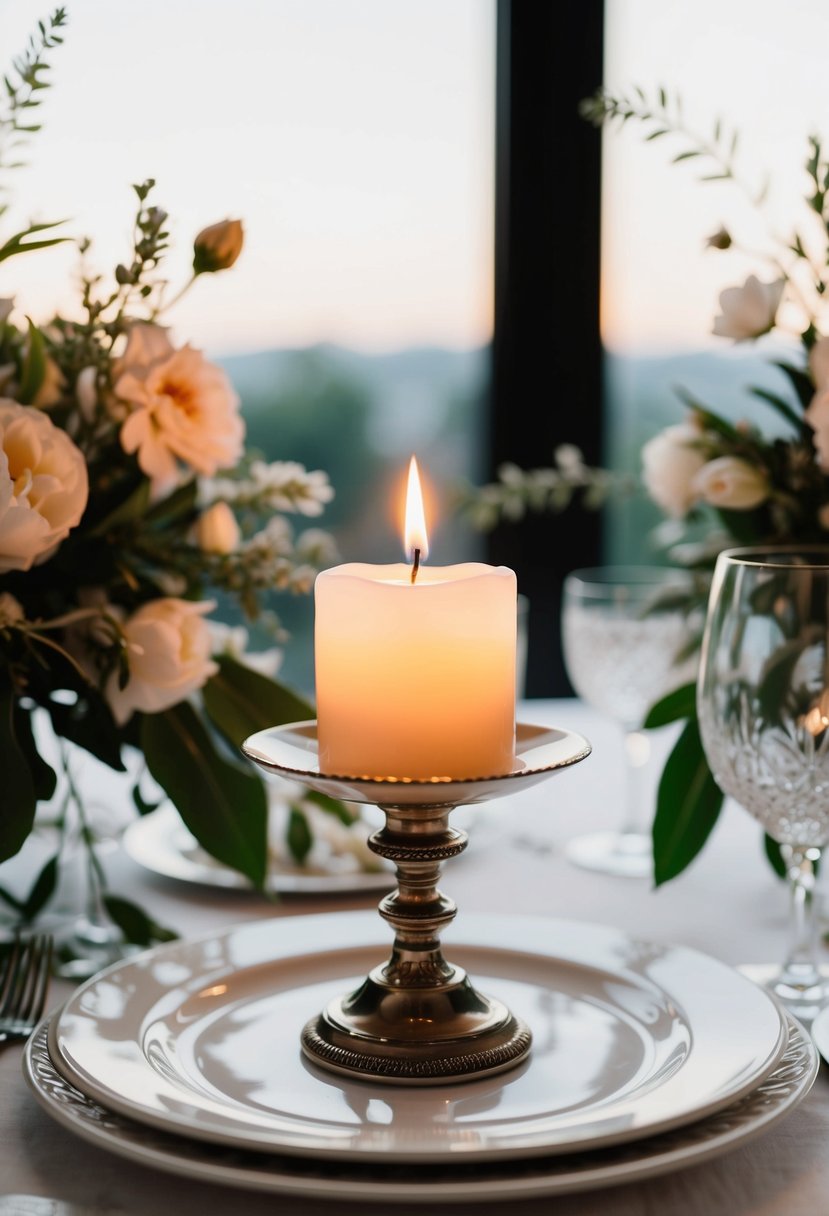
(415,667)
(416,679)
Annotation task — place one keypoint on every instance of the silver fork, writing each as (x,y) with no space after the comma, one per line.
(24,983)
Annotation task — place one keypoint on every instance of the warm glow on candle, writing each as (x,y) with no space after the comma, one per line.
(415,537)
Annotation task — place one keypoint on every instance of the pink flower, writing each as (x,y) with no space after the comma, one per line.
(182,408)
(169,653)
(44,486)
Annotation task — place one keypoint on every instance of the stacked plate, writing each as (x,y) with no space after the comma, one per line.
(645,1058)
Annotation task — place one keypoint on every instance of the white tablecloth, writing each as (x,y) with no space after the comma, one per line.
(727,904)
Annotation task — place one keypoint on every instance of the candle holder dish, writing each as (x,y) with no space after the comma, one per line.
(416,1019)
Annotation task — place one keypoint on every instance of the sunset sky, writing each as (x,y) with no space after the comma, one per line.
(354,137)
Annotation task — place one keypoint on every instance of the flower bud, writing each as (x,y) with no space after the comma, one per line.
(721,239)
(732,483)
(216,529)
(217,247)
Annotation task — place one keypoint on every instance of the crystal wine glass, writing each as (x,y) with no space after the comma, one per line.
(763,699)
(624,630)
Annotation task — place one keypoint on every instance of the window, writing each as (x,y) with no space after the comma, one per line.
(355,139)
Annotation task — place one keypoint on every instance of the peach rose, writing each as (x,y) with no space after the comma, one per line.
(182,408)
(168,648)
(44,486)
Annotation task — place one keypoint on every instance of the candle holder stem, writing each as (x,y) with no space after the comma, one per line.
(417,1019)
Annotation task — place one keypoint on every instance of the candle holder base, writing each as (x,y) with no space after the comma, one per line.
(416,1019)
(416,1036)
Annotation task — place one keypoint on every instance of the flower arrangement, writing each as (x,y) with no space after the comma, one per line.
(127,501)
(719,483)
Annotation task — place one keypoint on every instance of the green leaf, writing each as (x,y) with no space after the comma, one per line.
(141,804)
(43,775)
(708,419)
(783,408)
(133,507)
(688,805)
(19,799)
(136,926)
(18,244)
(684,156)
(679,704)
(299,837)
(332,806)
(181,503)
(240,701)
(34,366)
(89,724)
(42,889)
(801,382)
(222,804)
(11,900)
(774,856)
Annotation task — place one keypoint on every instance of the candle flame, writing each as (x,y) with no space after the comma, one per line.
(415,537)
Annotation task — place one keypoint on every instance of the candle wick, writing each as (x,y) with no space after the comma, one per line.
(416,565)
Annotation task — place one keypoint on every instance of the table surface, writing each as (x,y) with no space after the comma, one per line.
(727,904)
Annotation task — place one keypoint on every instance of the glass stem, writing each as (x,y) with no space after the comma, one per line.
(800,969)
(637,753)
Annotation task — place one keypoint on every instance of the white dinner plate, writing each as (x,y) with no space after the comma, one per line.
(162,844)
(441,1184)
(629,1037)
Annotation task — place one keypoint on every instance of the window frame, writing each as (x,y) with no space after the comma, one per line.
(546,386)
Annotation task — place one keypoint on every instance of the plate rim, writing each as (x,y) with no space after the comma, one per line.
(280,883)
(259,1175)
(353,926)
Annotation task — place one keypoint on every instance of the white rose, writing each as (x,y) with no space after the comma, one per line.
(750,310)
(670,462)
(732,483)
(169,653)
(182,408)
(817,416)
(216,530)
(43,486)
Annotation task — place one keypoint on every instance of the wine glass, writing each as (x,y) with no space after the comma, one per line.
(763,700)
(624,629)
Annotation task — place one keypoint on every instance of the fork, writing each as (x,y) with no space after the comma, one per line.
(24,983)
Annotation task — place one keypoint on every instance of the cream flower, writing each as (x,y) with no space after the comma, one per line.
(750,310)
(670,462)
(182,408)
(732,483)
(43,486)
(168,649)
(216,529)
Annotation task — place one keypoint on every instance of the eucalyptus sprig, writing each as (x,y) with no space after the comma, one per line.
(519,492)
(26,78)
(662,115)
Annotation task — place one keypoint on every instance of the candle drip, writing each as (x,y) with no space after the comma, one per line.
(416,564)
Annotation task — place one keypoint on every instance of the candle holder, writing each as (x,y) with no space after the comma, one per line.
(416,1019)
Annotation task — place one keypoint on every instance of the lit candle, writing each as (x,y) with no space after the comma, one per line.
(415,666)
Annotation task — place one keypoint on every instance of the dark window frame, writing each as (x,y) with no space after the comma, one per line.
(546,355)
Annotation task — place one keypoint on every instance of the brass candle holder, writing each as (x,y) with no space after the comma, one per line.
(416,1019)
